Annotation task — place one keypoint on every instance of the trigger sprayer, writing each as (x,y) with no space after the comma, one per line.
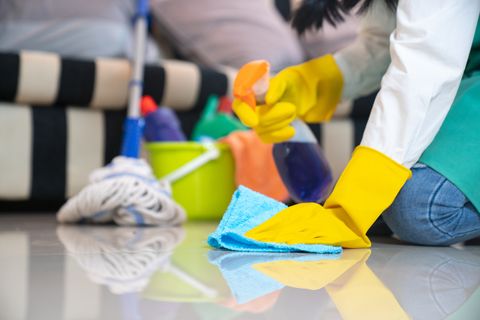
(300,161)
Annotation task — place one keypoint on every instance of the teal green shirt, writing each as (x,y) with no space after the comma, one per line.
(455,151)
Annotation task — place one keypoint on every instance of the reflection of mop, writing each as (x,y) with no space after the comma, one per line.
(126,190)
(172,271)
(124,258)
(185,277)
(188,277)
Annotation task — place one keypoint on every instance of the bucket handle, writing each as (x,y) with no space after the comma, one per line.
(212,153)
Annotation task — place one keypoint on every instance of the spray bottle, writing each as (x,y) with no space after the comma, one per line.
(300,161)
(161,124)
(214,124)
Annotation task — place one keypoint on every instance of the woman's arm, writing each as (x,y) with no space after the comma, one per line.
(429,50)
(365,61)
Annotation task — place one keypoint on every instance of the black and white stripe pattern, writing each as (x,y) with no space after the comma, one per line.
(15,152)
(48,153)
(46,79)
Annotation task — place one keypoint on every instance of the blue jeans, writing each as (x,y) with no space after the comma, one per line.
(430,210)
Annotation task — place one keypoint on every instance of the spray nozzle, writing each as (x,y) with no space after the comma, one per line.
(251,83)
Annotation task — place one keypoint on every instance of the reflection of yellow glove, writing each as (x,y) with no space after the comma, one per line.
(310,91)
(353,287)
(360,292)
(312,275)
(367,187)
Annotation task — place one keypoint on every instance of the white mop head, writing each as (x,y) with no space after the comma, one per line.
(125,192)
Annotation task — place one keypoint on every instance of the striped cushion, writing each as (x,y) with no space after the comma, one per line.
(46,79)
(48,153)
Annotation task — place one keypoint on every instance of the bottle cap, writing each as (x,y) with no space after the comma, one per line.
(148,105)
(225,105)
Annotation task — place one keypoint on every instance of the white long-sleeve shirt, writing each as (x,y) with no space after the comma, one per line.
(418,54)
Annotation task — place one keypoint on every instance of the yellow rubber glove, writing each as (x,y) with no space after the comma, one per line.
(367,187)
(310,91)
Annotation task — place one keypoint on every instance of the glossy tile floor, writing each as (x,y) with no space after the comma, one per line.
(50,271)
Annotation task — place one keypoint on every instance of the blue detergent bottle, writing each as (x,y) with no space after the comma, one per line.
(302,166)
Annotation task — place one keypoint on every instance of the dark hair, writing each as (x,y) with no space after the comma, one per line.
(312,13)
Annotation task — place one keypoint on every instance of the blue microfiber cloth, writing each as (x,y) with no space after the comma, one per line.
(246,283)
(247,210)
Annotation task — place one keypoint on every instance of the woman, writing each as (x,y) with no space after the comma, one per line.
(418,53)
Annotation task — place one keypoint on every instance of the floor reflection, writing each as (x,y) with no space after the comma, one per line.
(392,282)
(121,258)
(106,272)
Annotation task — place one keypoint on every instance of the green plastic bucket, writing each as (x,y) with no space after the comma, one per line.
(204,192)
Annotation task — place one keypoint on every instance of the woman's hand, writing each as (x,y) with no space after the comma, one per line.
(309,91)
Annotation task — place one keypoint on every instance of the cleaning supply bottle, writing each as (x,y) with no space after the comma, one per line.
(161,124)
(302,166)
(300,161)
(214,124)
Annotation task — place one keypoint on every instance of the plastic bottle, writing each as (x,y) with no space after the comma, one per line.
(161,124)
(300,161)
(214,124)
(302,166)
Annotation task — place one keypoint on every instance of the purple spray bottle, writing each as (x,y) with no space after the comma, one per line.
(161,124)
(300,161)
(302,166)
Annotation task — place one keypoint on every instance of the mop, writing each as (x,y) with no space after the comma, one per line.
(126,191)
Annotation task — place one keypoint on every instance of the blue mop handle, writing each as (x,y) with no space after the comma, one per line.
(133,127)
(133,131)
(142,8)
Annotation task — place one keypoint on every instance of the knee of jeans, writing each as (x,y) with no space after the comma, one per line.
(408,218)
(410,226)
(415,231)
